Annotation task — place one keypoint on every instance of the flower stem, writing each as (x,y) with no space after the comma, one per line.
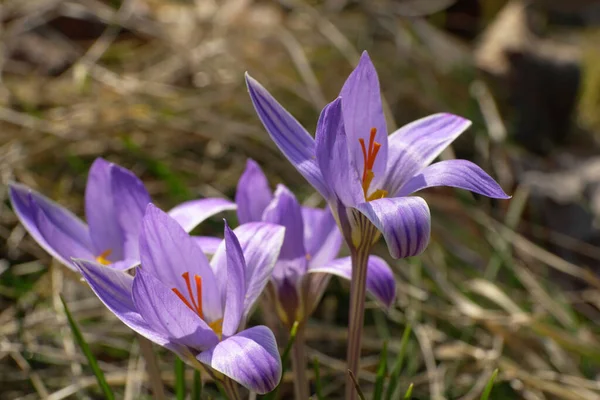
(301,388)
(231,389)
(358,287)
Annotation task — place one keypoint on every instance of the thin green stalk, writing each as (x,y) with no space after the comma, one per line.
(108,394)
(356,318)
(298,354)
(408,394)
(488,388)
(318,385)
(395,374)
(197,385)
(284,357)
(179,379)
(381,372)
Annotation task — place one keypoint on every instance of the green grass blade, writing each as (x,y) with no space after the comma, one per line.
(197,385)
(318,384)
(361,395)
(108,394)
(408,394)
(395,374)
(284,358)
(179,379)
(381,372)
(488,388)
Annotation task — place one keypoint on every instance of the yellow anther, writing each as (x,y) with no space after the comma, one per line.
(101,259)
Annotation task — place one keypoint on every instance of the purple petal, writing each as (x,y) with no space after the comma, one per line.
(208,244)
(124,265)
(168,252)
(191,213)
(287,133)
(363,111)
(380,278)
(460,174)
(114,289)
(416,145)
(130,201)
(72,232)
(322,237)
(404,221)
(236,284)
(253,194)
(165,312)
(250,358)
(105,231)
(337,166)
(261,243)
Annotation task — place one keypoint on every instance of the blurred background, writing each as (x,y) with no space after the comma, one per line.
(157,86)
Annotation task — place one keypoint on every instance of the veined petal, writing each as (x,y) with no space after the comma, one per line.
(261,244)
(460,174)
(105,232)
(114,288)
(363,110)
(250,358)
(380,278)
(416,145)
(125,265)
(287,133)
(339,169)
(72,233)
(253,194)
(131,199)
(191,213)
(404,221)
(208,244)
(168,252)
(322,237)
(236,284)
(164,311)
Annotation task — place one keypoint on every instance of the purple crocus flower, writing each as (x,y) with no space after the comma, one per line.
(196,309)
(115,201)
(365,175)
(311,245)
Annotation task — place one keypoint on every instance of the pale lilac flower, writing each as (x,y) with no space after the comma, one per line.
(366,176)
(196,309)
(115,201)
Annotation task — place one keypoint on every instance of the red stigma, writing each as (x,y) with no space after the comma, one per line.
(195,302)
(369,156)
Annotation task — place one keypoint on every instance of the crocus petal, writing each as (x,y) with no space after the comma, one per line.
(261,244)
(208,244)
(105,231)
(125,265)
(249,358)
(380,278)
(416,145)
(460,174)
(362,109)
(114,289)
(131,199)
(339,169)
(164,311)
(404,221)
(167,252)
(236,284)
(253,194)
(28,204)
(322,237)
(191,213)
(287,133)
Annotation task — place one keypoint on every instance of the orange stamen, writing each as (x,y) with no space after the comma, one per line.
(192,304)
(369,156)
(365,157)
(101,259)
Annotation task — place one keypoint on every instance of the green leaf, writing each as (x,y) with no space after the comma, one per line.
(381,371)
(197,386)
(408,394)
(361,395)
(179,379)
(108,394)
(318,385)
(395,375)
(488,388)
(284,358)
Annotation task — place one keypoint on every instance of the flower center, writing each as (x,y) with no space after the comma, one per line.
(101,259)
(195,301)
(369,156)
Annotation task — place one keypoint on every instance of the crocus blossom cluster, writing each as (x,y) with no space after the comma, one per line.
(310,247)
(365,175)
